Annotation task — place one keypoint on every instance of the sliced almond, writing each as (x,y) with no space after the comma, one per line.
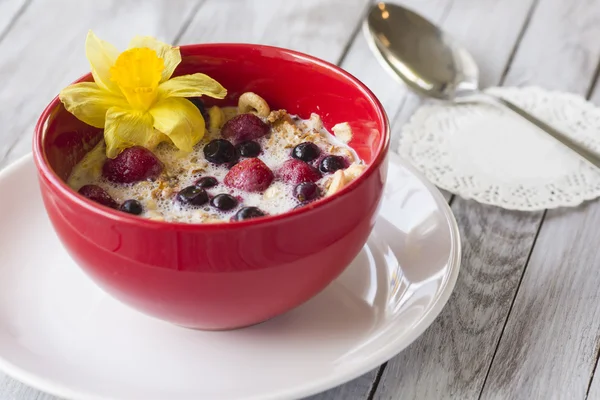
(217,118)
(316,122)
(354,171)
(337,183)
(286,134)
(343,132)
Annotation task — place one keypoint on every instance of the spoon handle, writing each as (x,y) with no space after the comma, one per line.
(583,152)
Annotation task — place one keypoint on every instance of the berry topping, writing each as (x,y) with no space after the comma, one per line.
(306,191)
(248,213)
(132,207)
(197,101)
(248,148)
(193,195)
(206,182)
(244,127)
(220,151)
(251,175)
(97,194)
(224,202)
(295,171)
(306,151)
(133,164)
(332,164)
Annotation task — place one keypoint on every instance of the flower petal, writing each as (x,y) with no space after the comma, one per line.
(180,120)
(101,55)
(194,85)
(127,128)
(89,103)
(170,55)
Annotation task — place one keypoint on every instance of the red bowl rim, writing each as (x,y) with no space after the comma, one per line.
(46,171)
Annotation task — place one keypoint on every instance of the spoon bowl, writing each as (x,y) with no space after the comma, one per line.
(420,53)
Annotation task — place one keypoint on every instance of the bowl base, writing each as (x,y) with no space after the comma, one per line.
(235,328)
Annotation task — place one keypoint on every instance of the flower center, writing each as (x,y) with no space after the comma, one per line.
(137,72)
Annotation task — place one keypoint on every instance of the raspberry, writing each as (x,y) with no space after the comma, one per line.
(97,194)
(134,164)
(295,172)
(244,127)
(251,175)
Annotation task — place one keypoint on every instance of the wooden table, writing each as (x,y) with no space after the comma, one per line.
(524,319)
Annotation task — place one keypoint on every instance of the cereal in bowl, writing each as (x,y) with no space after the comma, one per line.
(246,166)
(165,156)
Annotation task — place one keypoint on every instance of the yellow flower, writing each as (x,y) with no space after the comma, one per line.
(134,98)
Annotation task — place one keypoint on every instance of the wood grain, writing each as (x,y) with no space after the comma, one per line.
(358,389)
(452,358)
(550,342)
(43,52)
(360,62)
(9,12)
(549,346)
(320,28)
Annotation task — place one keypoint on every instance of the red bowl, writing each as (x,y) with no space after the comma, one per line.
(223,276)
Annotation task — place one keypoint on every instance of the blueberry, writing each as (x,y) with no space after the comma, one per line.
(224,202)
(193,195)
(220,151)
(248,213)
(306,151)
(332,164)
(306,191)
(206,182)
(132,207)
(248,148)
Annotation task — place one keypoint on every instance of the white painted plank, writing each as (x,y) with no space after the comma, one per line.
(594,390)
(549,346)
(360,62)
(550,341)
(9,9)
(453,356)
(358,389)
(451,359)
(317,27)
(44,51)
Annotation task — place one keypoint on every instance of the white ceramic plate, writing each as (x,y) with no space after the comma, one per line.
(62,334)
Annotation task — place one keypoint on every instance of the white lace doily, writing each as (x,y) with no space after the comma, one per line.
(485,153)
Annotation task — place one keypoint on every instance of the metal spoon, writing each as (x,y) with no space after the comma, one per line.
(434,65)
